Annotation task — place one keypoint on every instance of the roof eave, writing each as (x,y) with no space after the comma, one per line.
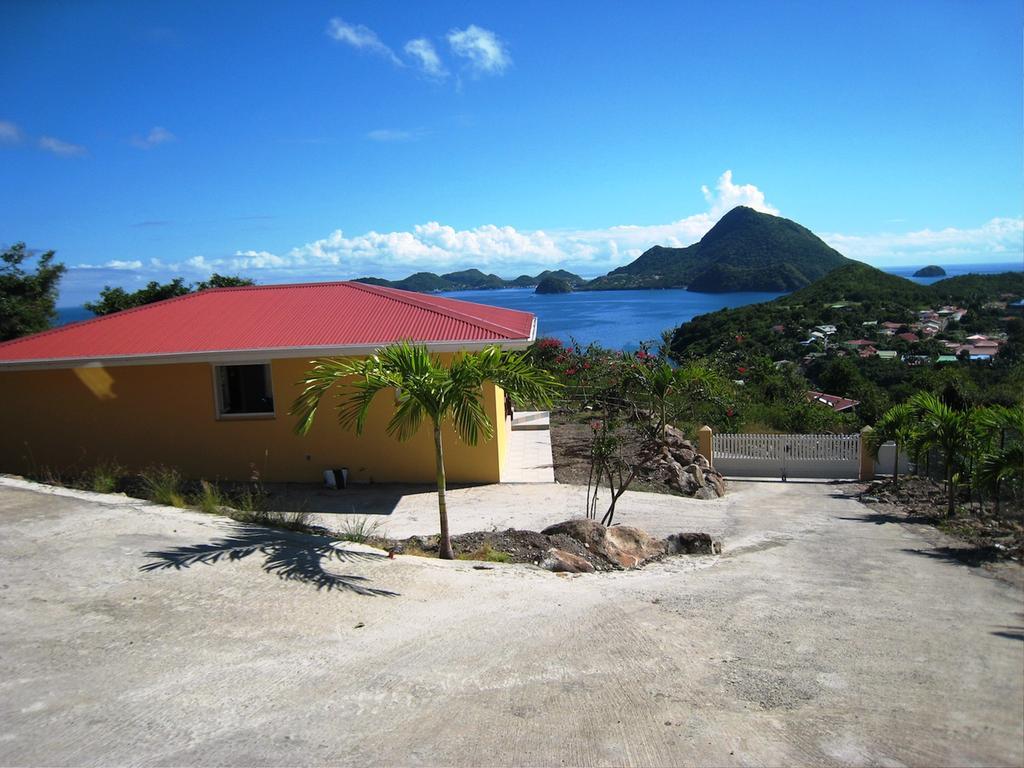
(241,356)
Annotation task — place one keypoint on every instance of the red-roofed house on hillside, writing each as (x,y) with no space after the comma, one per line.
(835,402)
(203,383)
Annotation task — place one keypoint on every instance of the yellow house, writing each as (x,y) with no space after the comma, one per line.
(204,382)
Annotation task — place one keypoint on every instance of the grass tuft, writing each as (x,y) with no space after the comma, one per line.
(105,477)
(487,553)
(163,485)
(210,499)
(361,530)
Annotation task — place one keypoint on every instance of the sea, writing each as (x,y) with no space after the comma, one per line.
(625,319)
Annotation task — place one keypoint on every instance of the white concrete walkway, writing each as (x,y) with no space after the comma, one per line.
(529,457)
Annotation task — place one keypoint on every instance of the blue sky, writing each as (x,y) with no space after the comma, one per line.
(329,140)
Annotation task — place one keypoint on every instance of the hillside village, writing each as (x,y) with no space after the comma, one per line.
(920,339)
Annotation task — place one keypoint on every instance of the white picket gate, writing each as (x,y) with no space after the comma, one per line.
(783,456)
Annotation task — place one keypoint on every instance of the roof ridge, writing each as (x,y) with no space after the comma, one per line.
(97,319)
(413,299)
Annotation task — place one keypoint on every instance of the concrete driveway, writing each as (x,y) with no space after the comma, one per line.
(825,635)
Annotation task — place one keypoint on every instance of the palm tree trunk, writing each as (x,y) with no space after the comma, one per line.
(896,465)
(445,544)
(950,490)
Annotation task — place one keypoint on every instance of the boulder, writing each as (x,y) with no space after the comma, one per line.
(692,544)
(589,533)
(621,545)
(706,493)
(696,473)
(684,455)
(701,460)
(675,437)
(560,561)
(631,547)
(676,478)
(716,481)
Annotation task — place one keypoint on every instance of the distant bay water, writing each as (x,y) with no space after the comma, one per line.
(624,319)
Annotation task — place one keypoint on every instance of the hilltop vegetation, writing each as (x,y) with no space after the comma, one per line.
(745,251)
(469,280)
(855,300)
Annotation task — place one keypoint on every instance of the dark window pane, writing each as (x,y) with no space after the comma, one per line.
(245,389)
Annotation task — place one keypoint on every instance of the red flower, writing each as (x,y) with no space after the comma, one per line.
(596,425)
(741,369)
(570,371)
(729,412)
(739,338)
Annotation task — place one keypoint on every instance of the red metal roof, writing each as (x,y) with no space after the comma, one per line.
(274,318)
(835,402)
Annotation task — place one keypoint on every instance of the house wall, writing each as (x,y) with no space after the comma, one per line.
(68,420)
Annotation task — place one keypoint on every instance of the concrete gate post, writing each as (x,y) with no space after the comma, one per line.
(704,443)
(867,461)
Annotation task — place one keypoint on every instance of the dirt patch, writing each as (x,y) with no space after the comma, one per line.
(989,536)
(570,452)
(509,546)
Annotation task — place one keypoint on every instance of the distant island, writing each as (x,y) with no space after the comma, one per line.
(931,270)
(745,251)
(551,284)
(471,280)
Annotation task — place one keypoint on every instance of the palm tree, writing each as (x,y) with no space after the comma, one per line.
(424,388)
(943,428)
(900,425)
(686,384)
(998,459)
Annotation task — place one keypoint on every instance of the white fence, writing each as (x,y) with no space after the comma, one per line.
(818,456)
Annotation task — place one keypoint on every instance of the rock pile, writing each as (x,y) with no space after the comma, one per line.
(685,470)
(621,545)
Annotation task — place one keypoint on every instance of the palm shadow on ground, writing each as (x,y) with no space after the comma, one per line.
(974,556)
(288,555)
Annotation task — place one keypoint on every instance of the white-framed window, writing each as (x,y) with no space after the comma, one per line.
(243,390)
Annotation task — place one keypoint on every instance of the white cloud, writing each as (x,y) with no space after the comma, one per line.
(62,148)
(423,52)
(483,49)
(155,137)
(9,132)
(508,251)
(113,264)
(997,240)
(728,195)
(244,260)
(361,38)
(391,135)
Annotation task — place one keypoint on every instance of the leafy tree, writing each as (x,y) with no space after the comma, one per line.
(224,281)
(28,301)
(114,299)
(424,389)
(118,299)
